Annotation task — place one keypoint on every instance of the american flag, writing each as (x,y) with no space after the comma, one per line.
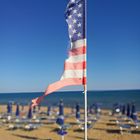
(75,17)
(75,65)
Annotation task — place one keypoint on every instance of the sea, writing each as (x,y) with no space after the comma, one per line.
(106,99)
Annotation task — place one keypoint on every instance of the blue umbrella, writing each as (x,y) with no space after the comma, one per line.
(61,108)
(128,111)
(17,111)
(49,111)
(97,108)
(77,111)
(34,109)
(29,113)
(9,108)
(62,132)
(133,112)
(91,110)
(60,120)
(123,110)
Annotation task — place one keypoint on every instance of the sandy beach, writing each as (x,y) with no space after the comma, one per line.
(104,129)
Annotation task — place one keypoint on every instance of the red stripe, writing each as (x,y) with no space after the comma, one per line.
(78,51)
(75,66)
(57,85)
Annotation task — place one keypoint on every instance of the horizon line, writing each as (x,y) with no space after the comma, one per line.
(67,91)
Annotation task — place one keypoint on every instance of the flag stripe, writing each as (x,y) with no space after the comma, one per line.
(76,58)
(75,66)
(73,74)
(78,43)
(77,51)
(57,85)
(65,82)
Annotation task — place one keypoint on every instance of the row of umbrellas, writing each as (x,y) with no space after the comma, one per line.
(129,110)
(60,118)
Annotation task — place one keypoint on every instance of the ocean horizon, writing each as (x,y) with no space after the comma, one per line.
(106,98)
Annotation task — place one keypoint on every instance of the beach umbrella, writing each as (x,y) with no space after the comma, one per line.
(61,108)
(62,133)
(17,110)
(49,111)
(97,108)
(128,111)
(34,109)
(117,108)
(9,108)
(123,109)
(77,111)
(29,116)
(91,110)
(60,120)
(133,112)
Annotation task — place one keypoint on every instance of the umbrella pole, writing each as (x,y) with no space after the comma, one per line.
(62,137)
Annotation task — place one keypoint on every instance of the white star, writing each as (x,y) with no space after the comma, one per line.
(72,1)
(80,5)
(70,26)
(79,24)
(74,31)
(79,34)
(66,20)
(70,16)
(70,8)
(75,11)
(70,36)
(74,21)
(79,15)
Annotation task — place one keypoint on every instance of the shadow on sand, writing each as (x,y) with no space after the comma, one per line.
(81,138)
(29,137)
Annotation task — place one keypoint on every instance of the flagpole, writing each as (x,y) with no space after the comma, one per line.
(85,86)
(85,94)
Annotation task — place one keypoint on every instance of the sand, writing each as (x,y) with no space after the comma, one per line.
(104,129)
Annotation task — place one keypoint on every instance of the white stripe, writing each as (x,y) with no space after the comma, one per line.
(76,58)
(78,43)
(73,74)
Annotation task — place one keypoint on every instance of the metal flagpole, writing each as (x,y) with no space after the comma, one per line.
(85,92)
(85,86)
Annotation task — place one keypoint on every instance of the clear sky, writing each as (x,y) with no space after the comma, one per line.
(34,44)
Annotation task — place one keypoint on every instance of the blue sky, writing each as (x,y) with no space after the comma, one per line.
(34,44)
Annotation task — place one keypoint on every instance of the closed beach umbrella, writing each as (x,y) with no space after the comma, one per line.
(17,111)
(77,111)
(133,112)
(9,108)
(34,109)
(29,113)
(91,110)
(123,109)
(61,108)
(49,111)
(60,120)
(128,111)
(97,108)
(62,132)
